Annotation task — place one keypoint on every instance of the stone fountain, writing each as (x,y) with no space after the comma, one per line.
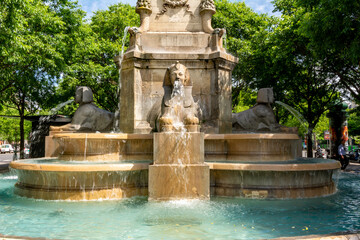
(179,138)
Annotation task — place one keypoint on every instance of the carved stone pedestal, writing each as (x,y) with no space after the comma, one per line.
(179,170)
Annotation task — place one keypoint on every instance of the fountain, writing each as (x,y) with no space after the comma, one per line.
(179,139)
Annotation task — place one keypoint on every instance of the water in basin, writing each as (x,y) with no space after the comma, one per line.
(219,218)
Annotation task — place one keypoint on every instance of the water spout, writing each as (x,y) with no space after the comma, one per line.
(177,100)
(60,106)
(42,128)
(296,114)
(118,91)
(224,40)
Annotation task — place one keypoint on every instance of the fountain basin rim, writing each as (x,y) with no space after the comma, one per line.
(103,135)
(331,165)
(21,165)
(130,136)
(237,136)
(89,167)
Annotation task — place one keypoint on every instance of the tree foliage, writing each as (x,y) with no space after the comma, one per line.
(354,122)
(273,52)
(91,62)
(9,130)
(333,30)
(243,28)
(34,35)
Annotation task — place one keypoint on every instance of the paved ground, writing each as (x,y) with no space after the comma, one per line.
(353,168)
(6,157)
(5,160)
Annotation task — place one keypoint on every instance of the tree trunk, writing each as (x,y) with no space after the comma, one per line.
(22,138)
(309,143)
(22,135)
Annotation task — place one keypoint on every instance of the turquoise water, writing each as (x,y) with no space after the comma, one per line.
(219,218)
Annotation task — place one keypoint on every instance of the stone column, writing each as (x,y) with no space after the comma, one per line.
(223,83)
(179,171)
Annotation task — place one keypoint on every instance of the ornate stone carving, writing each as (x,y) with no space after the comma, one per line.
(143,4)
(178,106)
(88,117)
(174,4)
(143,8)
(207,9)
(207,5)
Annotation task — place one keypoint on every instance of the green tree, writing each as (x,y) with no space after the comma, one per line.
(310,87)
(333,30)
(34,35)
(244,99)
(274,53)
(9,129)
(354,123)
(243,28)
(92,65)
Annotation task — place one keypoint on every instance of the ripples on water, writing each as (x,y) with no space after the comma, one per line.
(220,218)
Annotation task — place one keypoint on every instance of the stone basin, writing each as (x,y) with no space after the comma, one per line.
(218,147)
(53,179)
(85,170)
(300,178)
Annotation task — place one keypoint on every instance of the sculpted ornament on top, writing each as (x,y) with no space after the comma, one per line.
(174,4)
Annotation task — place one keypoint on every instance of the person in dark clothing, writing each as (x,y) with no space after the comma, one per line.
(344,160)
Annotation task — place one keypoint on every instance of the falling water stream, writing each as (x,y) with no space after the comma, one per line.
(177,97)
(42,127)
(118,91)
(224,40)
(296,114)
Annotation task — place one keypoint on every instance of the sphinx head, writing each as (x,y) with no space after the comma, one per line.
(83,95)
(177,72)
(265,96)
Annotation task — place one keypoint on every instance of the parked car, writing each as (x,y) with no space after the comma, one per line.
(7,148)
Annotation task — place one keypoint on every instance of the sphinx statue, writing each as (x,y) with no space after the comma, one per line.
(259,118)
(88,117)
(178,106)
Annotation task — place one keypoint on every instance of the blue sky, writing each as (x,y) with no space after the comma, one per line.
(260,6)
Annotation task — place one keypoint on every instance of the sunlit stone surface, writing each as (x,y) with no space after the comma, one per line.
(179,170)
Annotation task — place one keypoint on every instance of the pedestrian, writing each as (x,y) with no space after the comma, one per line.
(344,160)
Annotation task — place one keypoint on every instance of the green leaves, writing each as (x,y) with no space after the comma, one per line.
(93,47)
(9,130)
(33,52)
(275,52)
(333,32)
